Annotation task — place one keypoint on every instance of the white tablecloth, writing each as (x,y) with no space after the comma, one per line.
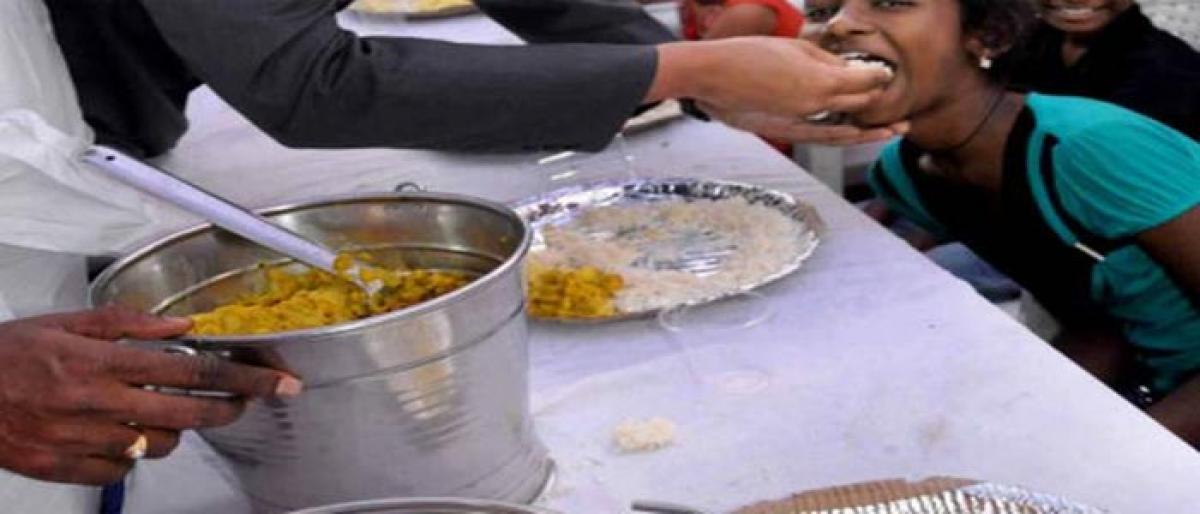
(881,365)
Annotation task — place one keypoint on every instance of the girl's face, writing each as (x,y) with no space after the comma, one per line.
(921,40)
(1082,17)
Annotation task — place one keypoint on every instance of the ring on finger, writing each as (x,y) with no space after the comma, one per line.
(137,450)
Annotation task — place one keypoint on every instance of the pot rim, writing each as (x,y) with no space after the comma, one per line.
(432,502)
(414,311)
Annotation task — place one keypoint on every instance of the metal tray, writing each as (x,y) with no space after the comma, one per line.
(564,205)
(938,495)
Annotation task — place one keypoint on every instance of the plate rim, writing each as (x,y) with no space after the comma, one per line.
(806,213)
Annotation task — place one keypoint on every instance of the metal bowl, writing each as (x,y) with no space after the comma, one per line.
(428,401)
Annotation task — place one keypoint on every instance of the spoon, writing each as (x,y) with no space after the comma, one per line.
(223,213)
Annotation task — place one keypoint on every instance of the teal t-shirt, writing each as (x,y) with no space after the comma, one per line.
(1116,173)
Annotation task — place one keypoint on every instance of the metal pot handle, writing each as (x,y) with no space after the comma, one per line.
(177,348)
(409,187)
(174,347)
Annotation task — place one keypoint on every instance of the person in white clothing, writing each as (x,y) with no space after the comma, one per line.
(73,407)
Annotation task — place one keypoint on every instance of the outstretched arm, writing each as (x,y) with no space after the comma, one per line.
(289,68)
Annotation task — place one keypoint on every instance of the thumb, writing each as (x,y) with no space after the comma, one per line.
(851,102)
(819,54)
(111,323)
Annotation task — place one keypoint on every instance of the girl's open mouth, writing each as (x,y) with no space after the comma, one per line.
(854,59)
(863,59)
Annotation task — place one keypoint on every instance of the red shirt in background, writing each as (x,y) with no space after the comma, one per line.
(789,21)
(687,20)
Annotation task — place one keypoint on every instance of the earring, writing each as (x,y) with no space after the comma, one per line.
(985,63)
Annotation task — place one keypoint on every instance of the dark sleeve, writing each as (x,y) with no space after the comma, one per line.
(577,21)
(1162,82)
(1037,64)
(1177,107)
(289,68)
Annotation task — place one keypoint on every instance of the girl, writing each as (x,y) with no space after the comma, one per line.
(1091,207)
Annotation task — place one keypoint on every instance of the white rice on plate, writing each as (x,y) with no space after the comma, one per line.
(674,252)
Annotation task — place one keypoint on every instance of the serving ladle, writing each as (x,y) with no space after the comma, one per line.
(223,213)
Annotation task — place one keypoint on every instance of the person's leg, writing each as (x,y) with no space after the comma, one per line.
(1102,351)
(964,264)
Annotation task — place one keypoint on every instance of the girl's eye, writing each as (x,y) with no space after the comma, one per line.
(891,4)
(821,14)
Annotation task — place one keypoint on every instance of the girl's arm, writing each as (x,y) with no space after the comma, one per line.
(1176,245)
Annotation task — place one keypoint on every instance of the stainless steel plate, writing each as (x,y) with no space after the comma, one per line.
(939,495)
(699,256)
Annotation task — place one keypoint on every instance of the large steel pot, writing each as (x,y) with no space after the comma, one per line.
(425,506)
(427,401)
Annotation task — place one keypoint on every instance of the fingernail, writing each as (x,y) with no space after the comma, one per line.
(288,387)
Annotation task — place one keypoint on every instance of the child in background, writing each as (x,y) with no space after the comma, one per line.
(1109,50)
(717,19)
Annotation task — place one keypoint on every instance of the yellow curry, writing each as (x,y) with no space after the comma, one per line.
(585,292)
(314,298)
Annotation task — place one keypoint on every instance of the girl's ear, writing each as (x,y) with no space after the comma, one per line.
(984,46)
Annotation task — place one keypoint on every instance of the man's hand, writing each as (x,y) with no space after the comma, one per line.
(72,401)
(790,79)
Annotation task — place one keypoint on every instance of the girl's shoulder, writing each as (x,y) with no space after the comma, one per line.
(1115,170)
(1066,116)
(1097,128)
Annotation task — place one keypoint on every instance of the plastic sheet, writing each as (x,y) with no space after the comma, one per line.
(52,208)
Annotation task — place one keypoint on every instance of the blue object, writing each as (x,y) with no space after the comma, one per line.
(112,498)
(964,264)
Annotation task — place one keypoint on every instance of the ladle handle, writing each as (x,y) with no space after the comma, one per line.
(217,210)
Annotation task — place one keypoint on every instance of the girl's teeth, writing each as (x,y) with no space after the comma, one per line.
(855,63)
(1076,11)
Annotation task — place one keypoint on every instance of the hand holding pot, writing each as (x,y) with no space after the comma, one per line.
(72,403)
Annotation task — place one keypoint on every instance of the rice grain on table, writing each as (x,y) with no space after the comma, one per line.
(628,239)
